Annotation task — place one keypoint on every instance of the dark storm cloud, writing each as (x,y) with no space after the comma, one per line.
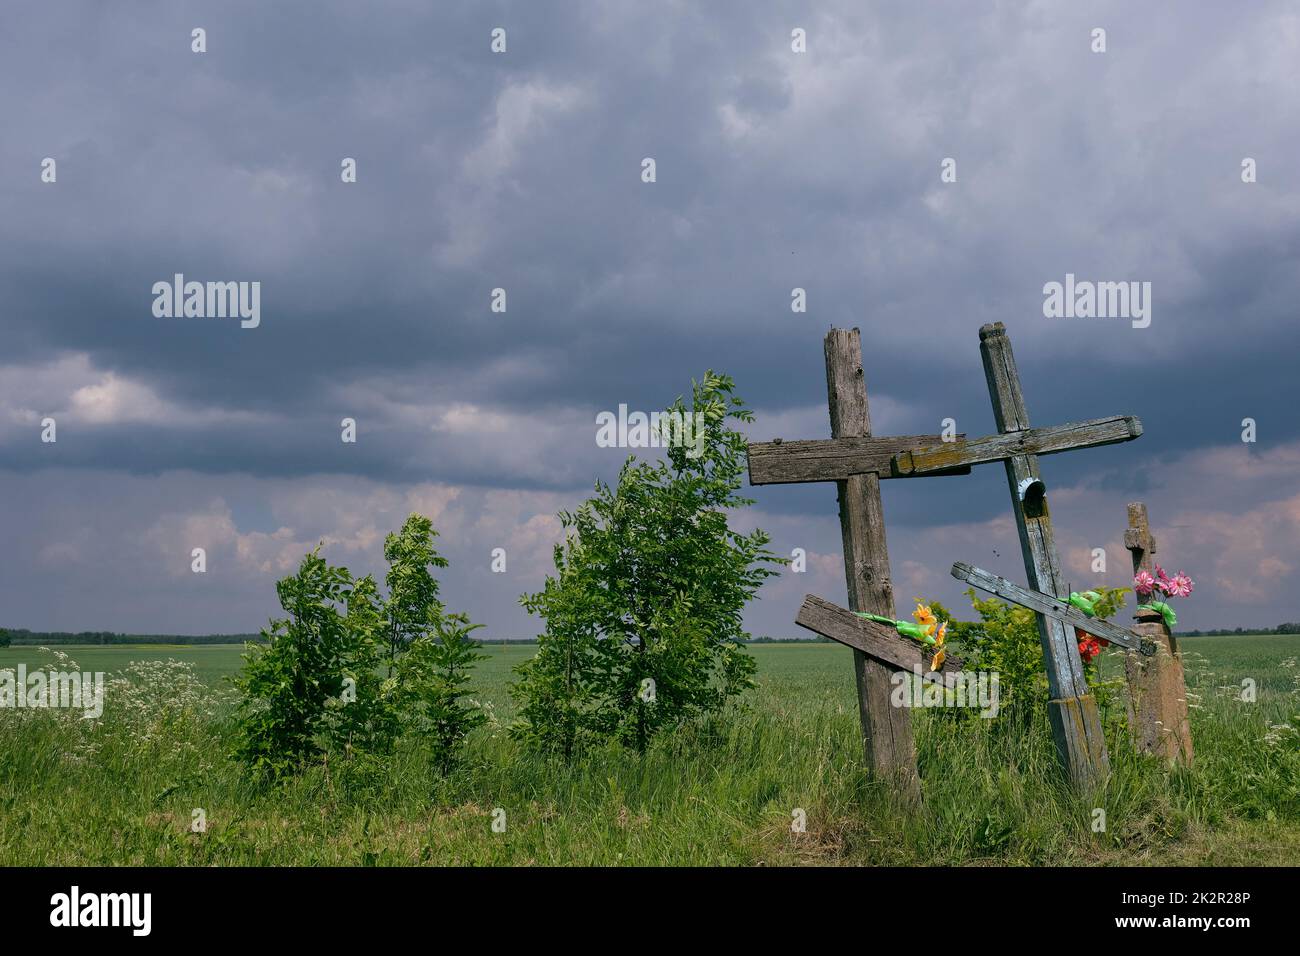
(522,171)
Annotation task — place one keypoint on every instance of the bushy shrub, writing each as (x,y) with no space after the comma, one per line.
(1005,639)
(347,673)
(433,676)
(643,615)
(315,687)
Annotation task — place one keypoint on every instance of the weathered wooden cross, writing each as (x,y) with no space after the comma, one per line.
(856,461)
(1157,689)
(1076,725)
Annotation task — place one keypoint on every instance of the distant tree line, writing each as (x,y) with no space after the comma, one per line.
(768,639)
(23,636)
(1292,627)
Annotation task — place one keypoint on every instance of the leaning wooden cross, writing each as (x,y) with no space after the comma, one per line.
(1076,725)
(1157,690)
(1053,607)
(856,461)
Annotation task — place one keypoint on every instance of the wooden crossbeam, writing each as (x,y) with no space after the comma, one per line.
(1030,441)
(834,459)
(875,640)
(1051,606)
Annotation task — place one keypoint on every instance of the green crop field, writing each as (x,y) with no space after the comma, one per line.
(125,790)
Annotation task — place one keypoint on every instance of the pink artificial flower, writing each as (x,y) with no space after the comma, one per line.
(1143,582)
(1180,585)
(1163,583)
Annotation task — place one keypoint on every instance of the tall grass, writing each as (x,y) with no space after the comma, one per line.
(123,790)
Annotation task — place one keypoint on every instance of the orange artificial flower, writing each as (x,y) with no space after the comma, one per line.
(937,661)
(925,617)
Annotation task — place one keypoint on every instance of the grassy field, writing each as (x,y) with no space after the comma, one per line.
(125,790)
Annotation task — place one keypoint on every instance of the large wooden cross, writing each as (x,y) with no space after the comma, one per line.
(1158,718)
(856,461)
(1076,725)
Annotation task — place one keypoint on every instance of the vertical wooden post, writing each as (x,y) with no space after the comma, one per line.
(1158,717)
(1076,724)
(886,730)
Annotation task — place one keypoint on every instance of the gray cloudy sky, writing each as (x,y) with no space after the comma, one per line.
(522,170)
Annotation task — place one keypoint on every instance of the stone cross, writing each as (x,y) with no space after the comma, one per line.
(1157,689)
